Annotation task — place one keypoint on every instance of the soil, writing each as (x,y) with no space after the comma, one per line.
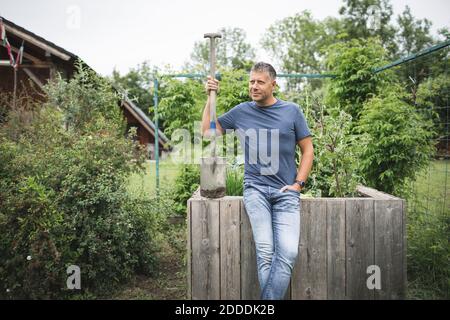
(168,282)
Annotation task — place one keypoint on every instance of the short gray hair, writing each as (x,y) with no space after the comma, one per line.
(265,67)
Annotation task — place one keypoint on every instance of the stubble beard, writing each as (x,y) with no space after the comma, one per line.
(259,98)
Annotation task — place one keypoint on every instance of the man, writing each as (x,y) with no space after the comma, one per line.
(270,129)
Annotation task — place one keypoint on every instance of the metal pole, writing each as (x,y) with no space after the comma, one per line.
(186,75)
(414,56)
(15,88)
(305,75)
(155,100)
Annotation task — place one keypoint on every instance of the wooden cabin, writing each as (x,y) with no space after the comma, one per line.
(42,60)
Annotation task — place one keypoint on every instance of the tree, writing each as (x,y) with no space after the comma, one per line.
(136,83)
(370,18)
(182,101)
(399,142)
(87,101)
(297,43)
(444,33)
(413,34)
(180,104)
(233,90)
(233,51)
(432,102)
(353,63)
(441,57)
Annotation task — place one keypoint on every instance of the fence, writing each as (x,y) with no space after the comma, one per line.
(340,238)
(429,84)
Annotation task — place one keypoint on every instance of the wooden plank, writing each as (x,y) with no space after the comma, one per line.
(388,248)
(28,56)
(129,108)
(404,247)
(288,295)
(339,240)
(250,289)
(36,66)
(359,219)
(53,72)
(196,193)
(189,251)
(37,42)
(310,278)
(205,221)
(373,193)
(230,276)
(336,248)
(33,77)
(298,286)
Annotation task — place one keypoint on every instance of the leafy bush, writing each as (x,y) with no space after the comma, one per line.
(233,90)
(353,63)
(87,102)
(31,242)
(187,181)
(235,180)
(336,153)
(181,104)
(182,101)
(432,102)
(64,199)
(336,148)
(428,254)
(399,142)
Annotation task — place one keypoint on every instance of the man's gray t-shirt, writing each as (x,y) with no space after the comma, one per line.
(271,135)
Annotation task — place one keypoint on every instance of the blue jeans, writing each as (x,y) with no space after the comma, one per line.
(275,220)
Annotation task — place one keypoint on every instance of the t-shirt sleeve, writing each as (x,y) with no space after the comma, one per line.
(227,120)
(300,126)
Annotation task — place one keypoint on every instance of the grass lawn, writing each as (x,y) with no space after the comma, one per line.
(432,188)
(147,182)
(426,232)
(169,281)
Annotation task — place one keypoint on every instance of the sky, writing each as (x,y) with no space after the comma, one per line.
(118,34)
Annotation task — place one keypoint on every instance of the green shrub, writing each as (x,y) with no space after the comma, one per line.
(32,239)
(428,254)
(233,90)
(432,102)
(187,181)
(336,153)
(353,63)
(64,201)
(180,105)
(399,142)
(336,148)
(235,180)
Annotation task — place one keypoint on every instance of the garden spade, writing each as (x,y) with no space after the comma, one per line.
(213,168)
